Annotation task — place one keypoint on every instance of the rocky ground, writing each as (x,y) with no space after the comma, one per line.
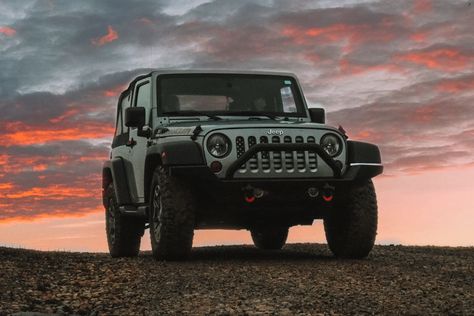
(302,279)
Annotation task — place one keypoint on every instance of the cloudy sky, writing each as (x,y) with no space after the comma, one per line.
(396,73)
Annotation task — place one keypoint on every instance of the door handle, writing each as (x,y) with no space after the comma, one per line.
(131,143)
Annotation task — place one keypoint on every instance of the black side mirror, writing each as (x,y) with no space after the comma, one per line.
(317,115)
(135,117)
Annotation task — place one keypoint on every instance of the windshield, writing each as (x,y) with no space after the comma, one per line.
(229,94)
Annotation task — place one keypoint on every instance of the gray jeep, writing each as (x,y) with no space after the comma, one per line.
(232,150)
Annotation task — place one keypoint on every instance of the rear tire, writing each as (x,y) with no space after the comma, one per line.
(123,232)
(351,226)
(269,238)
(172,217)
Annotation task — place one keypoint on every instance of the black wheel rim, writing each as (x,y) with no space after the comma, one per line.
(111,221)
(156,214)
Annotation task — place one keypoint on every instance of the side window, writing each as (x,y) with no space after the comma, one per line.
(119,124)
(125,104)
(143,98)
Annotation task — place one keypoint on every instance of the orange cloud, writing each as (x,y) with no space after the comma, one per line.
(424,114)
(114,92)
(422,6)
(6,186)
(80,212)
(20,134)
(419,36)
(349,68)
(62,117)
(368,135)
(10,164)
(347,34)
(8,31)
(40,167)
(111,36)
(442,59)
(456,86)
(53,192)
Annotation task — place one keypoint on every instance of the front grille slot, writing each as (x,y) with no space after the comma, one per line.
(289,162)
(265,155)
(253,162)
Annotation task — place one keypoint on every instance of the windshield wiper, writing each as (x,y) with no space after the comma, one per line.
(193,112)
(266,115)
(256,115)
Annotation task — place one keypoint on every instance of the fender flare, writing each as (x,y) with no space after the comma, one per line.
(175,153)
(113,171)
(364,160)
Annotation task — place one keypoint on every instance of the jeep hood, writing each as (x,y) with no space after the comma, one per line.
(208,126)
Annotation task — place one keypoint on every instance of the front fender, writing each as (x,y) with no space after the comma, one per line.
(172,153)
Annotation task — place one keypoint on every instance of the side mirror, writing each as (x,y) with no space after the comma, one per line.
(135,117)
(317,115)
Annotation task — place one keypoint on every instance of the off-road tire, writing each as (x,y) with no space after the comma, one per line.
(171,231)
(351,226)
(123,232)
(269,238)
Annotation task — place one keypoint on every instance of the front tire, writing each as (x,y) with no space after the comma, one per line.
(172,217)
(123,232)
(351,226)
(269,238)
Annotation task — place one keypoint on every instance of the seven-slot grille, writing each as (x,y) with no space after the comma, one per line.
(277,161)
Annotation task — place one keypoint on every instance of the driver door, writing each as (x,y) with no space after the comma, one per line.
(138,144)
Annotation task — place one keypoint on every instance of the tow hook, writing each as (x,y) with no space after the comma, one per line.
(328,192)
(251,193)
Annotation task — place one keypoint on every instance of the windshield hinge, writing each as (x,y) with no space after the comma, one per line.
(197,130)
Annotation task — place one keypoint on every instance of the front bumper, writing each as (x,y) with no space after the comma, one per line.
(355,172)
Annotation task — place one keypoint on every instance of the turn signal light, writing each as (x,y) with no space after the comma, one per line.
(216,166)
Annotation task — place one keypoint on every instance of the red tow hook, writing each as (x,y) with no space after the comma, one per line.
(251,193)
(328,193)
(328,198)
(249,199)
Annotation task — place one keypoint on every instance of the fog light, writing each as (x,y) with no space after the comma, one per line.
(313,192)
(258,193)
(216,166)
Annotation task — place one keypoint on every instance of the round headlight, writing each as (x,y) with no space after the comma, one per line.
(218,145)
(331,144)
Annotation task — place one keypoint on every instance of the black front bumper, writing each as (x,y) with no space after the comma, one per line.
(286,200)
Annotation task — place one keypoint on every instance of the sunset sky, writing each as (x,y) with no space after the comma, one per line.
(396,73)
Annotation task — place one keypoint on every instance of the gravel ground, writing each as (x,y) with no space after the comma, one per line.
(301,279)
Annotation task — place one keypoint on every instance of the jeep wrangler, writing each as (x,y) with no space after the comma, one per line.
(232,150)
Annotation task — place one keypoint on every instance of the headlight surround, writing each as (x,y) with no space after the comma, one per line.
(218,145)
(331,144)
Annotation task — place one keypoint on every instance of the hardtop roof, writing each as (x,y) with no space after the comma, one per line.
(222,71)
